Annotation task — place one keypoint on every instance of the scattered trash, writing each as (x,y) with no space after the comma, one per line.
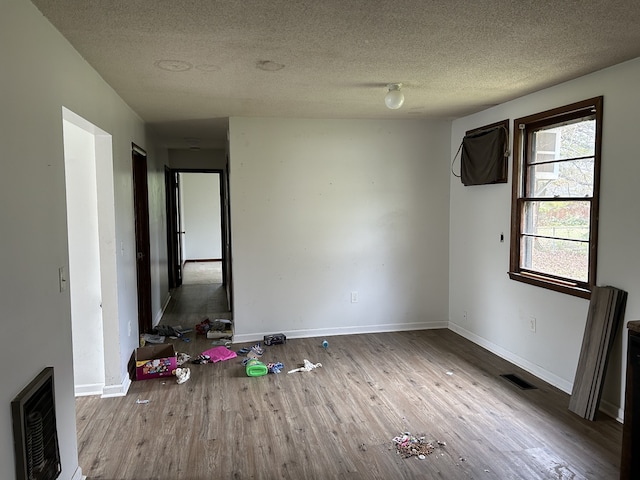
(308,366)
(203,327)
(255,351)
(363,447)
(325,344)
(487,470)
(449,373)
(219,328)
(275,367)
(408,445)
(182,358)
(213,355)
(142,402)
(222,341)
(255,368)
(149,338)
(182,375)
(275,339)
(441,444)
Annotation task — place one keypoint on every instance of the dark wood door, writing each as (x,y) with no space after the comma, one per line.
(174,228)
(141,214)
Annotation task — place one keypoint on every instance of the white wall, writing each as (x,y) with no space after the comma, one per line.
(497,307)
(197,159)
(323,208)
(84,259)
(44,74)
(201,216)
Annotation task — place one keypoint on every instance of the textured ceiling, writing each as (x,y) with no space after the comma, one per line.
(186,66)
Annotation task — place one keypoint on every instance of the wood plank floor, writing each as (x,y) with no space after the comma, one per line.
(338,421)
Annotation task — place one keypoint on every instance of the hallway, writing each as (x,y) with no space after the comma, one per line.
(199,297)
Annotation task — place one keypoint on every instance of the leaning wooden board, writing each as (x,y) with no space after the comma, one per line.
(606,310)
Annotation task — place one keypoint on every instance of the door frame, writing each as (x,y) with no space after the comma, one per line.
(173,212)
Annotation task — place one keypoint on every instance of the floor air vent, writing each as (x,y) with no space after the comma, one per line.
(34,430)
(518,382)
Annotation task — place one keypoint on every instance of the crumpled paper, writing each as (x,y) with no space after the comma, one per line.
(308,366)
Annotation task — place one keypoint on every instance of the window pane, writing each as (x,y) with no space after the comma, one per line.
(558,219)
(571,140)
(572,178)
(562,258)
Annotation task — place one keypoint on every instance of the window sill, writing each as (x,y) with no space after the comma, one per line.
(550,284)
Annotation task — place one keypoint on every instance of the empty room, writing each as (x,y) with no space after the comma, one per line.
(431,201)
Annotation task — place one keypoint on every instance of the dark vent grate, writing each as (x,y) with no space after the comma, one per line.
(34,430)
(519,382)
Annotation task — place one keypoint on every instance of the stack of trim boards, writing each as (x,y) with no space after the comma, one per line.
(606,311)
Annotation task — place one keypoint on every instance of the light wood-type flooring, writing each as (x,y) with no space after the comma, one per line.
(338,421)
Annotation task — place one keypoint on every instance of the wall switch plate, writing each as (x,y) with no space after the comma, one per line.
(354,297)
(532,324)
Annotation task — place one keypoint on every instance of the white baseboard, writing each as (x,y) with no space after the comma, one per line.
(118,390)
(532,368)
(89,389)
(612,410)
(158,317)
(77,475)
(328,332)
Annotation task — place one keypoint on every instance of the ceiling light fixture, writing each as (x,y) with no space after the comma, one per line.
(394,98)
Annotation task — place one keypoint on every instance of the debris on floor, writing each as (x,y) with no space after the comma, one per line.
(254,351)
(182,357)
(149,338)
(182,375)
(275,367)
(307,367)
(408,445)
(275,339)
(255,368)
(213,355)
(142,402)
(325,344)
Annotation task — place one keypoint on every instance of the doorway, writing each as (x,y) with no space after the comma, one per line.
(92,275)
(198,229)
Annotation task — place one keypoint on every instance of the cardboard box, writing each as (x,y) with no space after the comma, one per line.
(154,361)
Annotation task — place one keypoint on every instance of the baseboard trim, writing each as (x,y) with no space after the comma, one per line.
(532,368)
(612,410)
(89,389)
(334,331)
(159,315)
(77,475)
(119,390)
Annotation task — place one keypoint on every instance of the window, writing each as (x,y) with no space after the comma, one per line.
(554,210)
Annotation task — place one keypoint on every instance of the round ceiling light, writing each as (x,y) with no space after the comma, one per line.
(394,98)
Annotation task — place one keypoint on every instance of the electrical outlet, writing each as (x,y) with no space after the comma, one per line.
(532,324)
(464,314)
(354,297)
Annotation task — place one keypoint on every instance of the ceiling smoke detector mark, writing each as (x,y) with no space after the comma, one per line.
(269,66)
(193,143)
(173,65)
(208,68)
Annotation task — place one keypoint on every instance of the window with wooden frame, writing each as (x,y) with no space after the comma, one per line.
(554,209)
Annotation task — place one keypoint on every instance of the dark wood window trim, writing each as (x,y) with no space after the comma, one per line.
(521,127)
